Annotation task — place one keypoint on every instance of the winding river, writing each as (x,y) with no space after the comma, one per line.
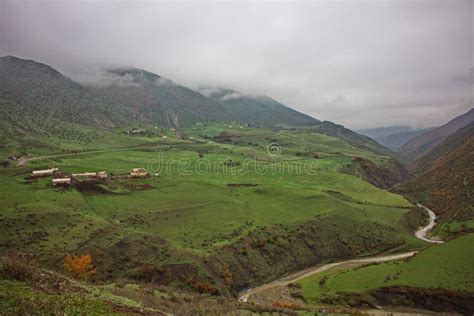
(420,234)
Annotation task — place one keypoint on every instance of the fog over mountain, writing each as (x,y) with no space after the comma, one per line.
(361,63)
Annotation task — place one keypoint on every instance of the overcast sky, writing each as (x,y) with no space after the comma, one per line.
(358,63)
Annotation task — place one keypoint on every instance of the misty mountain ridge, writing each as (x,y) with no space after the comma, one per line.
(427,141)
(170,104)
(125,96)
(159,100)
(378,132)
(256,109)
(393,137)
(397,140)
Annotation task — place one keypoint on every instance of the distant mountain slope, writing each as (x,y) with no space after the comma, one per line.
(446,177)
(397,140)
(50,95)
(160,100)
(256,110)
(454,144)
(422,144)
(379,132)
(392,137)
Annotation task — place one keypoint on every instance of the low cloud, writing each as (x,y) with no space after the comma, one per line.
(98,76)
(208,92)
(231,96)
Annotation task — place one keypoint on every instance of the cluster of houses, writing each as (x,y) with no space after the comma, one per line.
(60,179)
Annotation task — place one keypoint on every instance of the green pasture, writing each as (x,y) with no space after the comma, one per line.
(447,265)
(201,195)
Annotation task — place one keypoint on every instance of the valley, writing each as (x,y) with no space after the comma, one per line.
(252,209)
(269,209)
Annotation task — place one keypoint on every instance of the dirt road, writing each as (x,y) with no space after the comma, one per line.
(421,234)
(23,161)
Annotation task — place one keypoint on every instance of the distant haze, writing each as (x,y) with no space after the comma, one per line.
(359,63)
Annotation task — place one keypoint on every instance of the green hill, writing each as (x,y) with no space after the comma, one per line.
(353,138)
(161,101)
(256,110)
(48,95)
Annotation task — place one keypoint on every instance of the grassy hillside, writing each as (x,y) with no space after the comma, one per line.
(424,143)
(442,266)
(256,110)
(19,298)
(158,99)
(25,287)
(354,139)
(49,95)
(216,208)
(24,133)
(446,180)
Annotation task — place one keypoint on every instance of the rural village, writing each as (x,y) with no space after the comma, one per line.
(60,179)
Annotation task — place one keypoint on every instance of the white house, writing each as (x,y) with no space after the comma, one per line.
(44,173)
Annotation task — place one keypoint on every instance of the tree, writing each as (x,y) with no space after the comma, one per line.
(80,267)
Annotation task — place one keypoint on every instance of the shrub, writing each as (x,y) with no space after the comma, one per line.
(4,163)
(284,305)
(323,280)
(228,276)
(18,267)
(205,287)
(231,163)
(80,267)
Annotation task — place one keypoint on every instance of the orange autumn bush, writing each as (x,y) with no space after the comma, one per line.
(80,267)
